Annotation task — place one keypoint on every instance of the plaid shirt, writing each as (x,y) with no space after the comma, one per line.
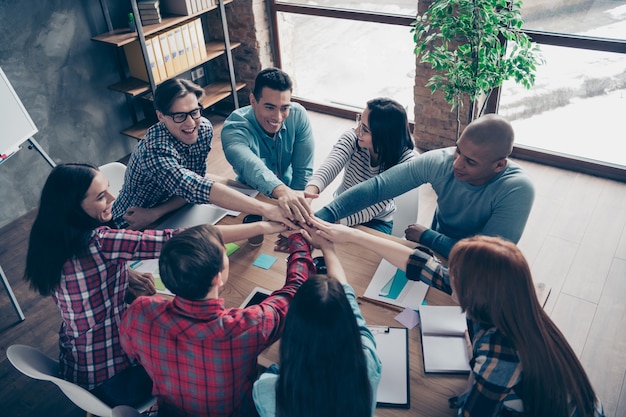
(90,297)
(201,356)
(162,167)
(495,364)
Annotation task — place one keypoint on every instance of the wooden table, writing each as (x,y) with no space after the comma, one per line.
(429,393)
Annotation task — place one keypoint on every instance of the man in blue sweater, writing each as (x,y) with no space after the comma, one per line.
(270,143)
(479,191)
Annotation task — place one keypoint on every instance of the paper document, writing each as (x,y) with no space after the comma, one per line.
(390,285)
(151,266)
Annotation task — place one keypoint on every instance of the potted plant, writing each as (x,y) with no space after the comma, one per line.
(474,46)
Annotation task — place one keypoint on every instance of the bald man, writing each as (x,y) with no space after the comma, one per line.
(479,191)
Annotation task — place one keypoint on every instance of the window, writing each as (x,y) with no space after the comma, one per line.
(347,62)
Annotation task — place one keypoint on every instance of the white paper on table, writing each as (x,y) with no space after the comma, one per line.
(411,296)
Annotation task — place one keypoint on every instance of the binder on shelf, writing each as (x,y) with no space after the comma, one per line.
(176,62)
(188,47)
(195,48)
(201,41)
(136,64)
(180,47)
(167,56)
(392,346)
(158,58)
(444,346)
(152,61)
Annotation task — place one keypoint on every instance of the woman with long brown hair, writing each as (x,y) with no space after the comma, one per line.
(521,364)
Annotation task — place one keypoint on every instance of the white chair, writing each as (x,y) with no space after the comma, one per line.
(407,205)
(35,364)
(125,411)
(114,171)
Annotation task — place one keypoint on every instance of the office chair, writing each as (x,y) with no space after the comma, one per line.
(35,364)
(125,411)
(114,171)
(407,205)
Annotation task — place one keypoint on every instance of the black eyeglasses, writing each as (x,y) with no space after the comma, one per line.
(180,117)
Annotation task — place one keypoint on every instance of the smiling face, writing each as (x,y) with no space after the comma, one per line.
(98,200)
(475,164)
(271,109)
(187,131)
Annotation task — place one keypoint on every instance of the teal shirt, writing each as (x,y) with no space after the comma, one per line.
(498,208)
(264,389)
(265,162)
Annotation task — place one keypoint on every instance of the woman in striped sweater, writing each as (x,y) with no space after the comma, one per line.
(381,140)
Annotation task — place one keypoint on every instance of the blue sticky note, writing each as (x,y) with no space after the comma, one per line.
(395,286)
(264,261)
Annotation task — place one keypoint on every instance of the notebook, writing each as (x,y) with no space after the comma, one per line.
(444,346)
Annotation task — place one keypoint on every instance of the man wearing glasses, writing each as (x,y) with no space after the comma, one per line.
(167,168)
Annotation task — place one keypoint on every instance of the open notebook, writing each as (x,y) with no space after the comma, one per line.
(444,346)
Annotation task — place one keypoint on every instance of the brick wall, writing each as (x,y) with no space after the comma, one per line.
(435,123)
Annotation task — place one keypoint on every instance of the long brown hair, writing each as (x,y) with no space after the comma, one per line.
(492,281)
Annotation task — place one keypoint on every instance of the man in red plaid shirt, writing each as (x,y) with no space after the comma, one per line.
(202,356)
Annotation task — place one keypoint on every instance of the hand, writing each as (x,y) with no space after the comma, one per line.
(138,218)
(414,232)
(335,232)
(282,243)
(271,227)
(274,213)
(140,283)
(316,239)
(294,204)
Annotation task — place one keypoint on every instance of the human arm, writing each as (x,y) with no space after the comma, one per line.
(140,283)
(235,232)
(299,267)
(139,218)
(224,196)
(295,204)
(391,183)
(419,266)
(303,148)
(495,372)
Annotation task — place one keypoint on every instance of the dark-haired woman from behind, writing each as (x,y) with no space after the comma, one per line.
(328,361)
(521,364)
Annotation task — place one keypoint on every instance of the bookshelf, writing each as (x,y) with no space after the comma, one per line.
(136,89)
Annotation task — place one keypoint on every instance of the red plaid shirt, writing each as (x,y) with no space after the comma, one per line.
(90,297)
(201,356)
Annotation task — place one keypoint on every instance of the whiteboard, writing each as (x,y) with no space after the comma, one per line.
(16,126)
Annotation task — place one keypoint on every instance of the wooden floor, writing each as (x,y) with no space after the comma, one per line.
(575,242)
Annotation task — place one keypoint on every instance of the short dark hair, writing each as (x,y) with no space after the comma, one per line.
(172,89)
(191,259)
(273,78)
(391,136)
(321,355)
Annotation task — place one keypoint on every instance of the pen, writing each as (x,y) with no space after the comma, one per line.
(380,303)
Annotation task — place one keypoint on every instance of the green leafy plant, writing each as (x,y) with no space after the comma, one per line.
(474,46)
